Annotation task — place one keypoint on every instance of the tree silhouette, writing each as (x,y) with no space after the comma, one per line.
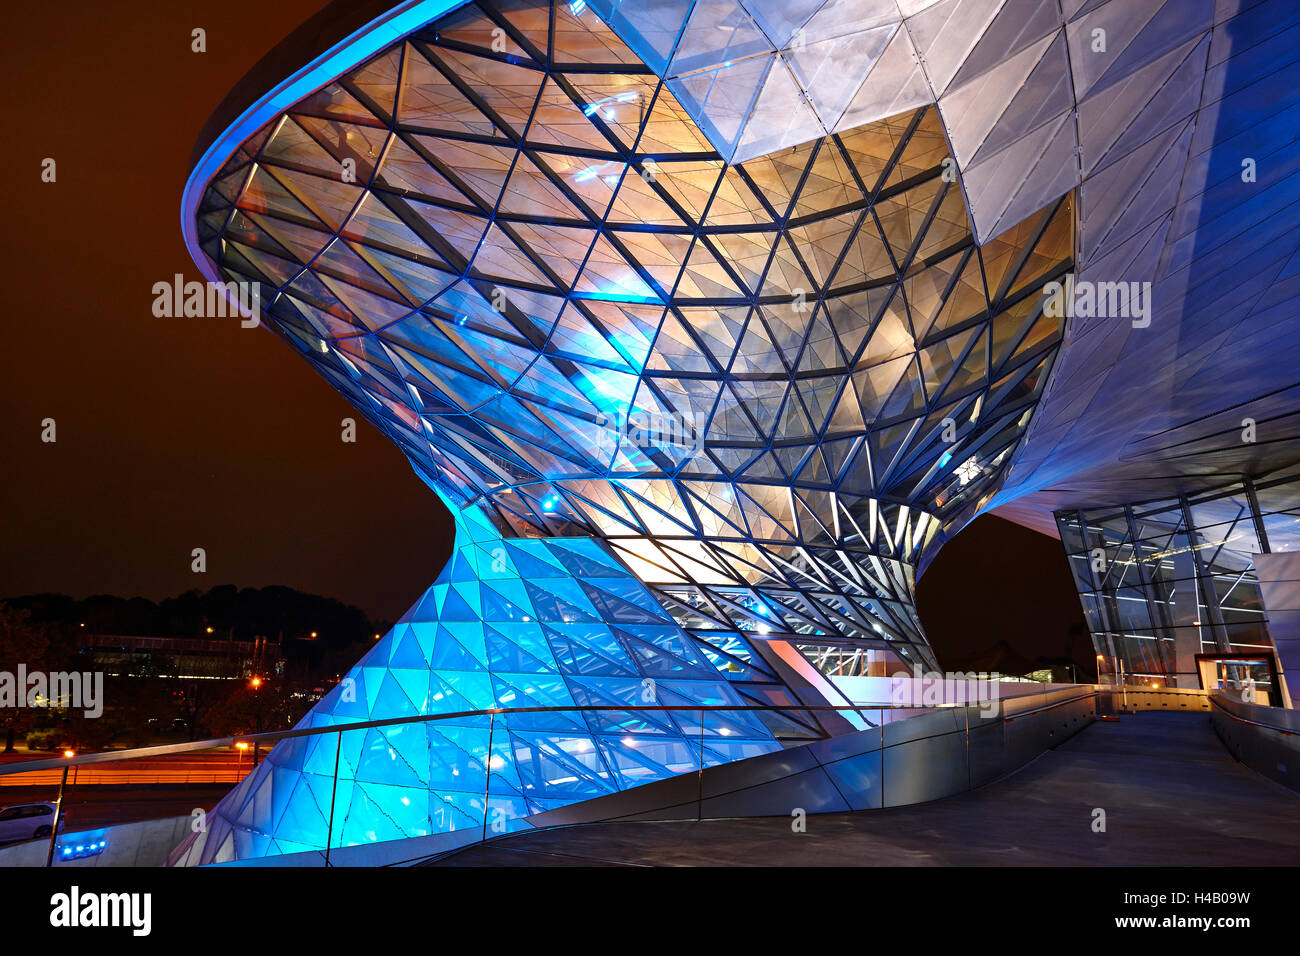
(20,643)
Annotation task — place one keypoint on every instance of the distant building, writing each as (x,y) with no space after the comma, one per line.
(181,658)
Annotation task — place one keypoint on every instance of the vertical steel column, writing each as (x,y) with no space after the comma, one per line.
(1257,515)
(1205,581)
(1099,591)
(1157,613)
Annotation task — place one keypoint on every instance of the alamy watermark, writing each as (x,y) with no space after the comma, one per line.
(946,689)
(208,300)
(1085,299)
(649,431)
(73,690)
(75,909)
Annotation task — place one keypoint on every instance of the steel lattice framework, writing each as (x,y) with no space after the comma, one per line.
(513,623)
(710,320)
(767,385)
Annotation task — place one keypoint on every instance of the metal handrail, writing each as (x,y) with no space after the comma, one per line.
(274,736)
(1254,723)
(1038,710)
(1145,689)
(65,763)
(162,750)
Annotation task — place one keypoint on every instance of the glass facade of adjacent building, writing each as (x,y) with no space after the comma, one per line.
(1164,581)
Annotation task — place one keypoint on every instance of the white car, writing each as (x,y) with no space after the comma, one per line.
(26,821)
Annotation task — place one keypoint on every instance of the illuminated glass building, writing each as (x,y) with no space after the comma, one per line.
(1171,588)
(710,322)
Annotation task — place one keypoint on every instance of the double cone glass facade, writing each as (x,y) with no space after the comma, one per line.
(752,396)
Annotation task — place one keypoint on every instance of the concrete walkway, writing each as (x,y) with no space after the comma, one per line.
(1173,796)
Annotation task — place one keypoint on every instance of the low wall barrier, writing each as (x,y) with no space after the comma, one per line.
(1266,739)
(1135,698)
(144,843)
(928,756)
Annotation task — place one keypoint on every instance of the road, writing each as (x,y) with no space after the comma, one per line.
(217,768)
(101,795)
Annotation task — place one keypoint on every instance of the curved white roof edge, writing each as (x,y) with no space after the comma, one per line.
(380,33)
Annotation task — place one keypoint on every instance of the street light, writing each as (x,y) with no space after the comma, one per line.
(257,745)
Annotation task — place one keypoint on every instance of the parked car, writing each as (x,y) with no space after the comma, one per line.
(26,821)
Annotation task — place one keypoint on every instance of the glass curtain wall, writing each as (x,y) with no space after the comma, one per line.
(1166,580)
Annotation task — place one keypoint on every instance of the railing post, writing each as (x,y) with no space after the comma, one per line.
(487,775)
(334,789)
(58,815)
(882,756)
(699,777)
(966,714)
